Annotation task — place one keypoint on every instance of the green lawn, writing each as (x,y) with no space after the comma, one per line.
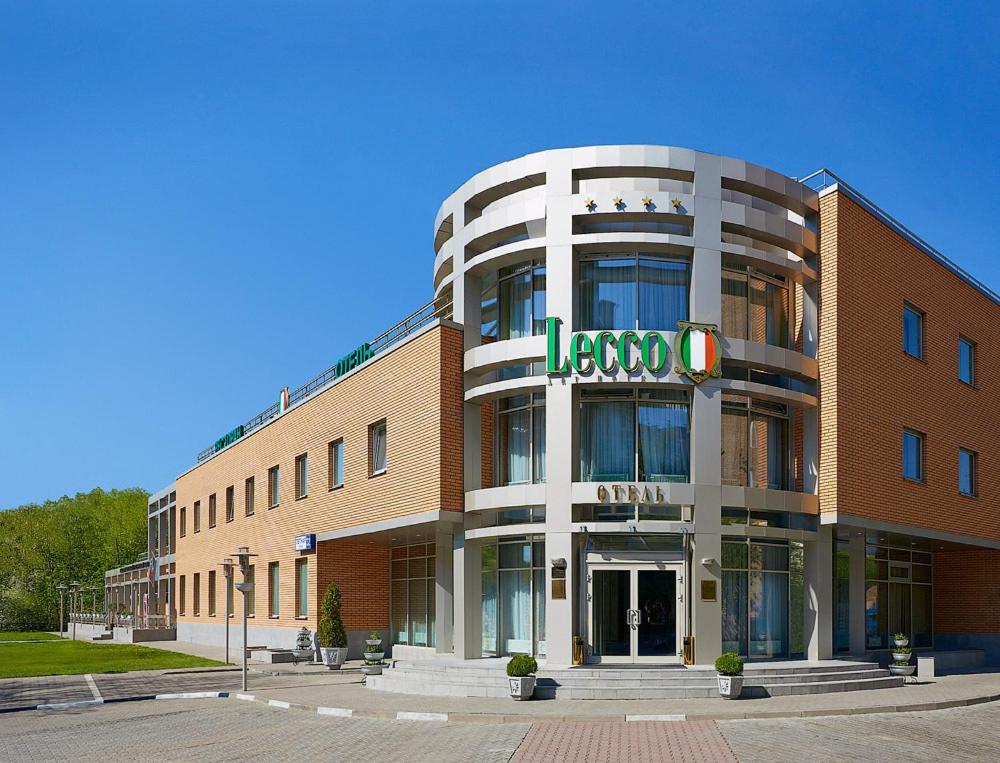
(76,657)
(26,636)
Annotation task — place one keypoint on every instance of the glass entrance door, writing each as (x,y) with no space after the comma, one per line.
(636,613)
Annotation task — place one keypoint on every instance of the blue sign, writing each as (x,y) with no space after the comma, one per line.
(305,542)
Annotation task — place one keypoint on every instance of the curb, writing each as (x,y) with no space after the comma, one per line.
(114,700)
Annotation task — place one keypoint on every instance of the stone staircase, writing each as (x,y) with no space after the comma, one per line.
(487,678)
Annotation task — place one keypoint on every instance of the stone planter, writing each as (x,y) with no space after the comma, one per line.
(902,669)
(903,657)
(521,687)
(373,641)
(374,656)
(730,687)
(303,654)
(372,670)
(333,657)
(901,642)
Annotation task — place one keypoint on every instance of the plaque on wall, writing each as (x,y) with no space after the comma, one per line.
(708,589)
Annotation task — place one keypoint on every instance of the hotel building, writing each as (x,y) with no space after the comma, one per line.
(663,404)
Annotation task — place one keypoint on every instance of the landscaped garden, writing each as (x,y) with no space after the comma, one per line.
(64,657)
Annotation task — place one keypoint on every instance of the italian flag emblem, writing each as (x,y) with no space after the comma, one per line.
(698,350)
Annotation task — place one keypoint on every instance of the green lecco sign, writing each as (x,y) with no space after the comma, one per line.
(605,351)
(229,438)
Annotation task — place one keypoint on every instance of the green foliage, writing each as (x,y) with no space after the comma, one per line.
(331,631)
(60,541)
(521,665)
(900,637)
(375,636)
(901,650)
(66,657)
(729,664)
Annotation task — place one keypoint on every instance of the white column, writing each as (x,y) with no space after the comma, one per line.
(818,600)
(468,626)
(444,592)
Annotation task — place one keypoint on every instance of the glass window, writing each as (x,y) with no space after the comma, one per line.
(966,472)
(377,444)
(633,291)
(841,597)
(197,516)
(336,468)
(898,597)
(183,521)
(230,503)
(755,443)
(211,593)
(249,597)
(229,596)
(183,595)
(273,487)
(755,306)
(273,590)
(913,455)
(966,360)
(412,592)
(513,596)
(301,476)
(758,583)
(913,332)
(301,587)
(196,591)
(520,440)
(248,496)
(211,510)
(515,306)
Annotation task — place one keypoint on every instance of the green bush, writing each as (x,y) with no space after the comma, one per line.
(331,633)
(901,649)
(729,664)
(521,665)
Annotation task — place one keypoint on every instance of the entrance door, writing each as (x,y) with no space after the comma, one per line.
(636,613)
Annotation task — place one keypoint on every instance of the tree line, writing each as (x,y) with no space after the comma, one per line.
(78,538)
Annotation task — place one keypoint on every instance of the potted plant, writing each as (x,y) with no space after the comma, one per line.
(331,634)
(900,639)
(373,654)
(303,645)
(729,666)
(521,676)
(901,654)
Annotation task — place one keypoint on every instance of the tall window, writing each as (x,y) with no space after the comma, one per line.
(248,496)
(913,455)
(513,596)
(913,331)
(301,476)
(378,456)
(196,593)
(841,596)
(273,487)
(412,594)
(211,593)
(302,587)
(633,291)
(635,432)
(755,441)
(515,306)
(335,457)
(755,305)
(520,435)
(230,503)
(966,472)
(966,360)
(211,510)
(183,595)
(229,595)
(251,603)
(197,516)
(184,521)
(898,595)
(273,590)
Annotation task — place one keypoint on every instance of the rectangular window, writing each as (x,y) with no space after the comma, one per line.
(913,455)
(633,291)
(251,603)
(248,496)
(273,590)
(211,510)
(966,361)
(913,331)
(302,587)
(755,305)
(184,521)
(378,456)
(196,592)
(273,487)
(229,595)
(966,472)
(513,596)
(183,595)
(520,440)
(412,611)
(197,516)
(514,306)
(211,593)
(898,595)
(230,503)
(335,455)
(755,443)
(301,476)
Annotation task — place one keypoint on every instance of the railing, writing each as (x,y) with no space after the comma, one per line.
(410,324)
(824,178)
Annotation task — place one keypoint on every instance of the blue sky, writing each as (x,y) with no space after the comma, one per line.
(201,203)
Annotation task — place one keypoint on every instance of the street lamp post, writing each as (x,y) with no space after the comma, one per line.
(93,602)
(62,593)
(227,571)
(243,557)
(74,587)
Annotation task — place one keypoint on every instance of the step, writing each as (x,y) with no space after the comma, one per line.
(442,668)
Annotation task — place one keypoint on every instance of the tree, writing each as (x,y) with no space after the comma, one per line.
(331,633)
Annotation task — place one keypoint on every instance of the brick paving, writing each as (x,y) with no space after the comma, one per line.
(635,742)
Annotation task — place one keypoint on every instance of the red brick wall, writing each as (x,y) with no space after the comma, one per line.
(361,571)
(967,591)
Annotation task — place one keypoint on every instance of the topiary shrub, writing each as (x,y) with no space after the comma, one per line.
(729,664)
(331,633)
(521,665)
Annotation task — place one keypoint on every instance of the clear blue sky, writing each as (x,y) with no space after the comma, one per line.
(203,202)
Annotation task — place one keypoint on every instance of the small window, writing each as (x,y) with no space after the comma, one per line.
(184,521)
(211,510)
(196,592)
(211,593)
(273,590)
(301,587)
(197,516)
(336,458)
(966,472)
(273,493)
(248,496)
(183,595)
(913,455)
(301,476)
(378,456)
(249,598)
(229,595)
(913,331)
(966,361)
(230,503)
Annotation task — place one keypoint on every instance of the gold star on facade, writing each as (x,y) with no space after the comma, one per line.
(591,204)
(617,201)
(647,202)
(676,203)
